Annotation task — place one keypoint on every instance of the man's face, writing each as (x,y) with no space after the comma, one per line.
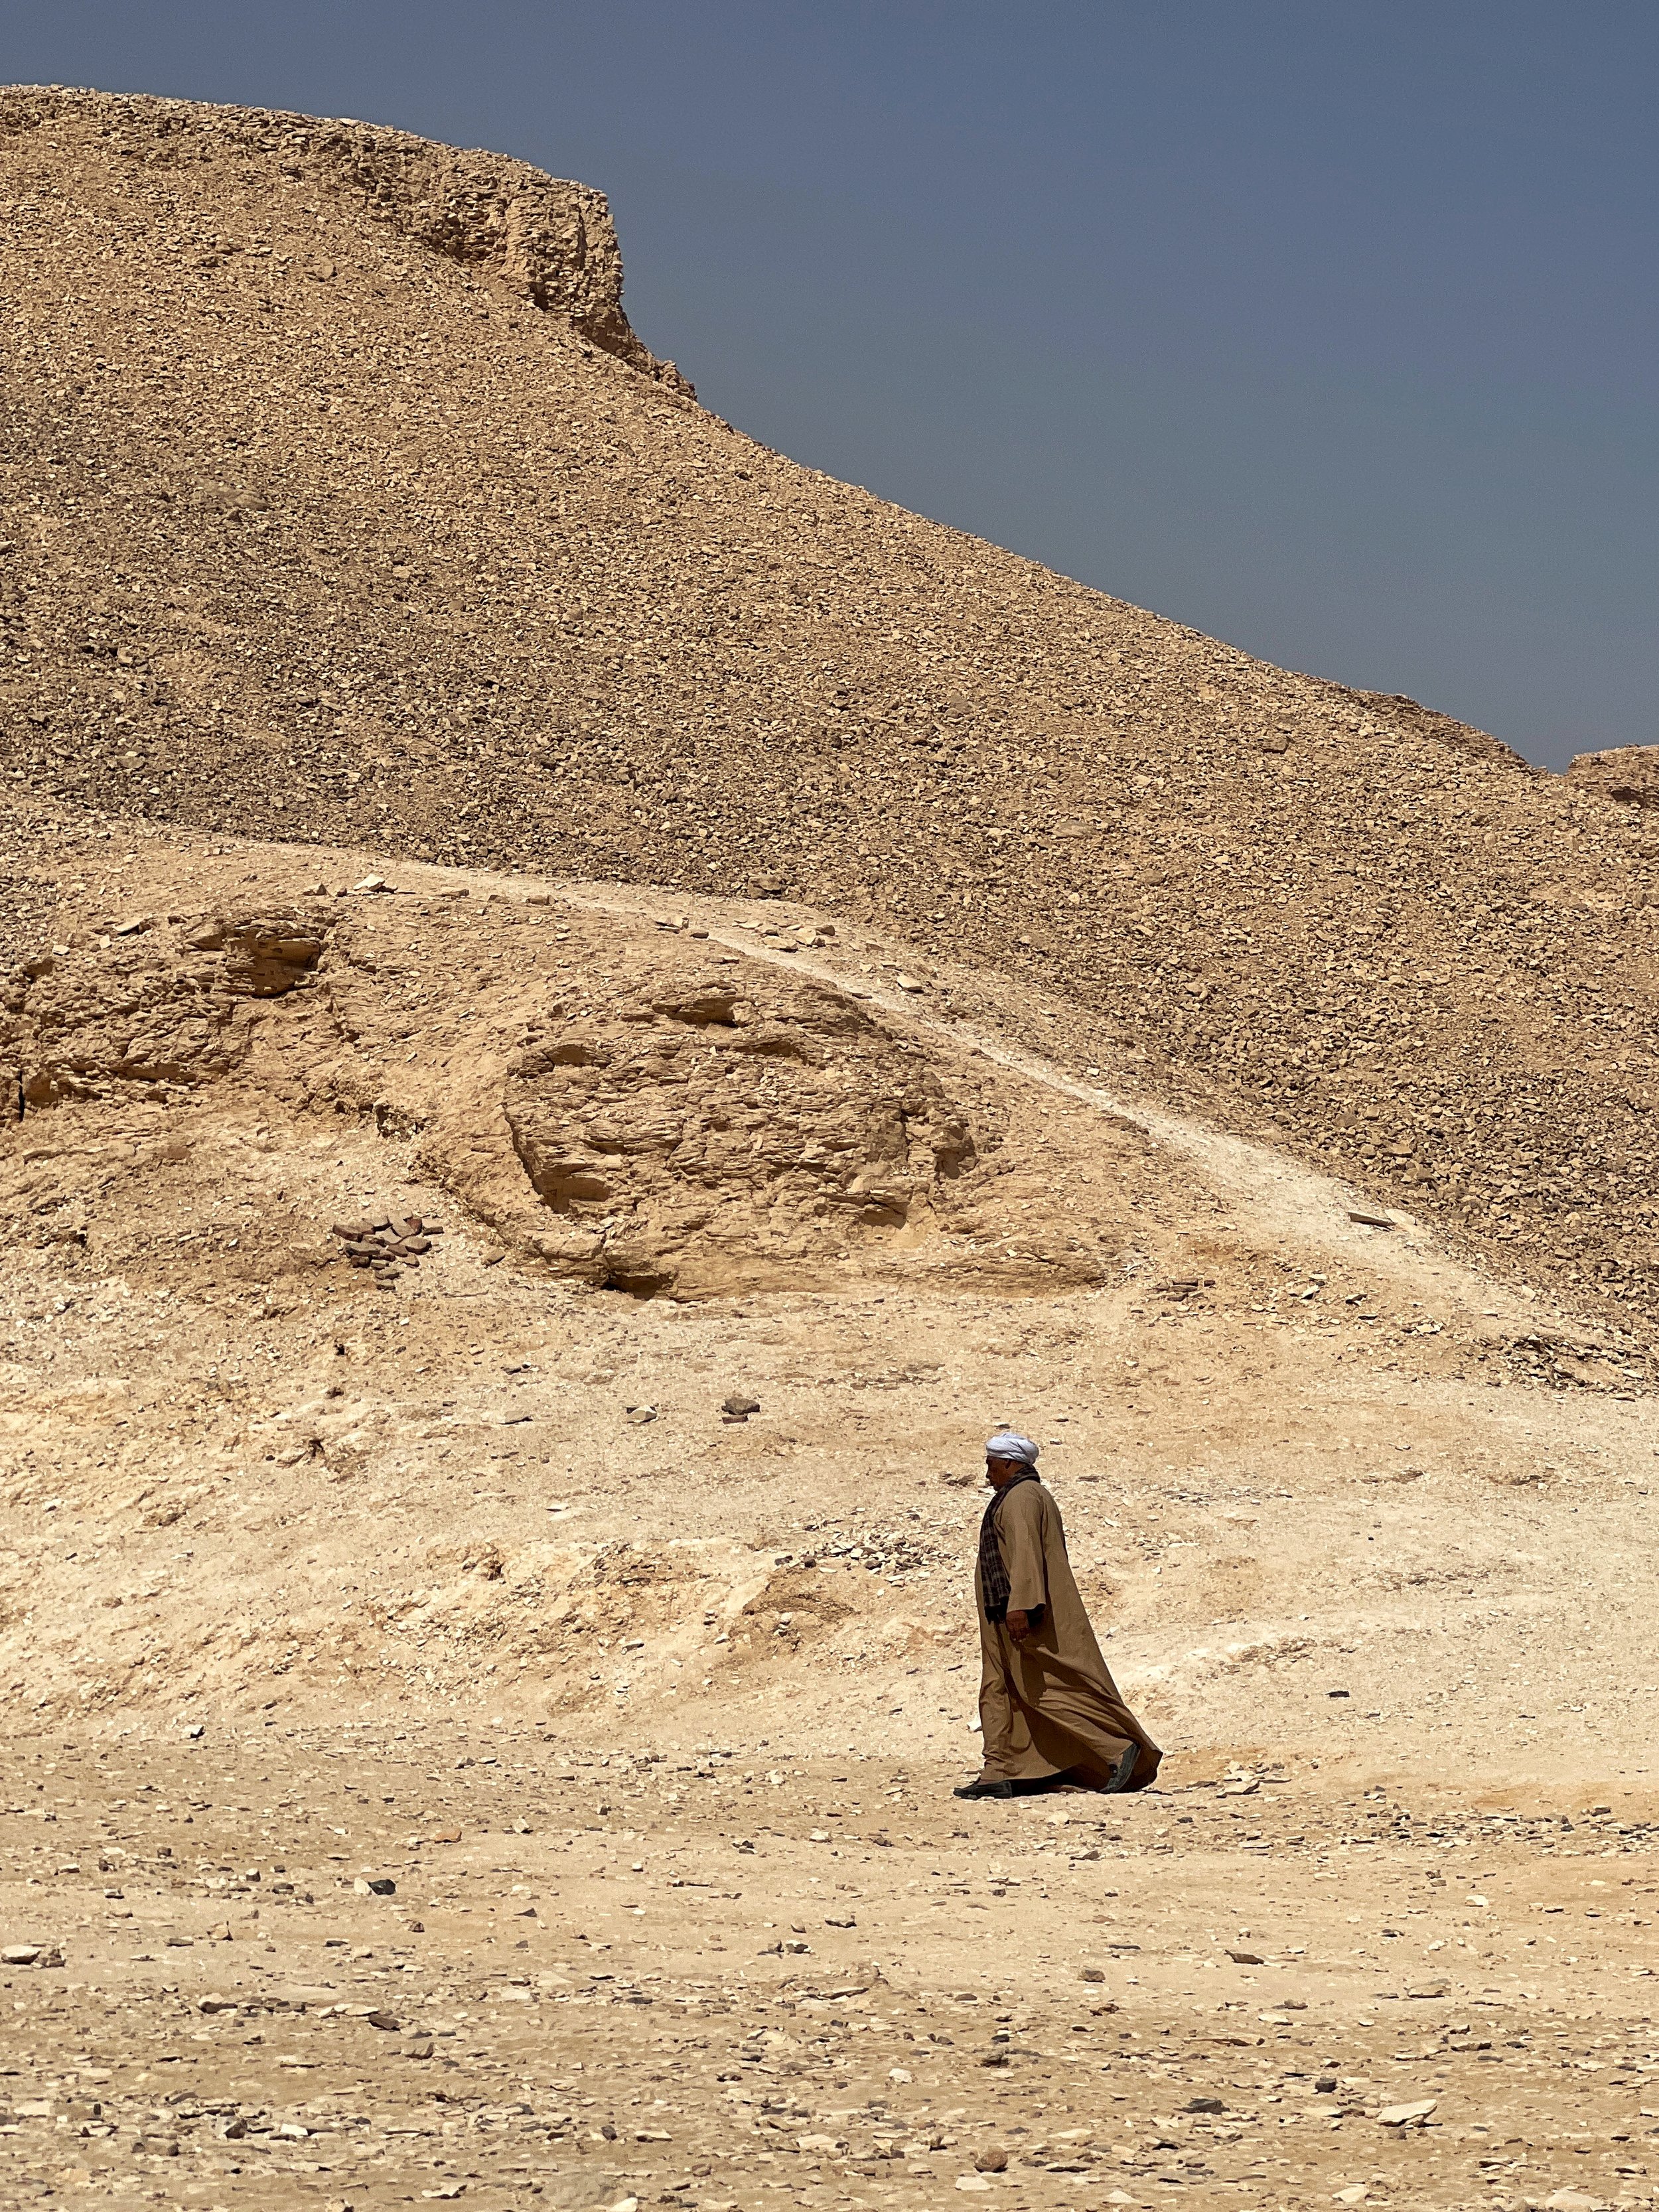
(999,1471)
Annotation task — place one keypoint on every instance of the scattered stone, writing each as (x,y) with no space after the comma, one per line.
(20,1954)
(1205,2104)
(1246,1958)
(992,2160)
(1094,1973)
(378,1885)
(738,1407)
(1403,2116)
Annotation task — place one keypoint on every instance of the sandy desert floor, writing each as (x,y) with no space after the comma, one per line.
(750,1974)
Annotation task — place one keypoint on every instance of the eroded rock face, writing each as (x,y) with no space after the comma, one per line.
(715,1120)
(1628,773)
(551,240)
(156,1007)
(265,955)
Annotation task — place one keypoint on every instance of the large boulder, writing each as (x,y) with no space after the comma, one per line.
(755,1120)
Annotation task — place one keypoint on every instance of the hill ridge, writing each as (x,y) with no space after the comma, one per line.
(546,238)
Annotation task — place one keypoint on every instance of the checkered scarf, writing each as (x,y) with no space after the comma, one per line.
(992,1575)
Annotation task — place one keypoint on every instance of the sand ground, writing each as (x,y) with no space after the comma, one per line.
(708,1979)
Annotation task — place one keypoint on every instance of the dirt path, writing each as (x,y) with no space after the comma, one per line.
(1273,1198)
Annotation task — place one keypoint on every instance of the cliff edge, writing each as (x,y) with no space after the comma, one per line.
(548,240)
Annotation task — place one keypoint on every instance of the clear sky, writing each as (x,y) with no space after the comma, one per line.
(1328,326)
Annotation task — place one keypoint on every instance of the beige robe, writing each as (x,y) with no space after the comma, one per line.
(1049,1704)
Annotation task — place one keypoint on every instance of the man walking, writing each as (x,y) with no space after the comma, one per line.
(1048,1705)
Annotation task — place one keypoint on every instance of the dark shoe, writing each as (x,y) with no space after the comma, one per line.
(1123,1773)
(985,1789)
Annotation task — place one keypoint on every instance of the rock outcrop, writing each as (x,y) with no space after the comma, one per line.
(147,1007)
(1626,774)
(717,1116)
(548,240)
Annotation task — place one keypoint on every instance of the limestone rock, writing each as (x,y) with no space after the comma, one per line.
(1626,774)
(160,1008)
(692,1130)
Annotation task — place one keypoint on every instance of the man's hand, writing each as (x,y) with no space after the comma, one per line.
(1019,1625)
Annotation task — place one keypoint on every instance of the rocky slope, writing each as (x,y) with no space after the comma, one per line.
(338,502)
(733,1245)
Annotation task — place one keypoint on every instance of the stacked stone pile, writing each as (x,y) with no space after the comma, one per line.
(386,1244)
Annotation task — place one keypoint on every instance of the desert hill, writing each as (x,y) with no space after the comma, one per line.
(339,503)
(585,1008)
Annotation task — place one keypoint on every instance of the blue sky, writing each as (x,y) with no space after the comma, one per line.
(1327,328)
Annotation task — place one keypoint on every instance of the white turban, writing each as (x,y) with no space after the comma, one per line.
(1006,1444)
